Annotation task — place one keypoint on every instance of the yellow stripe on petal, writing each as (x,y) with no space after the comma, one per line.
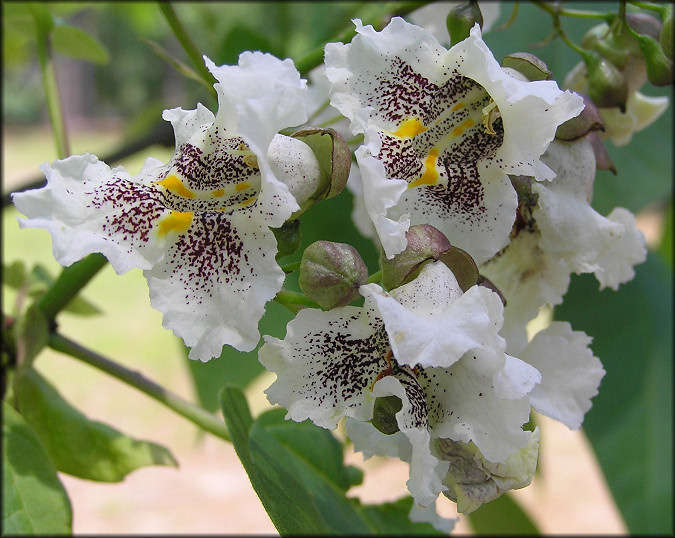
(175,185)
(218,193)
(176,221)
(457,106)
(463,127)
(430,175)
(242,186)
(410,128)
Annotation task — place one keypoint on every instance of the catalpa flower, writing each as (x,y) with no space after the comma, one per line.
(442,129)
(199,225)
(562,233)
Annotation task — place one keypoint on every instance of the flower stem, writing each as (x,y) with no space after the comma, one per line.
(187,410)
(43,24)
(71,280)
(294,300)
(375,277)
(188,45)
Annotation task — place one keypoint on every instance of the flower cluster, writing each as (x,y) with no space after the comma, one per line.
(480,212)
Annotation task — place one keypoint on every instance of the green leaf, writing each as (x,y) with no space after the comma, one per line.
(503,515)
(79,446)
(392,518)
(14,275)
(234,367)
(33,499)
(630,424)
(76,43)
(288,516)
(666,247)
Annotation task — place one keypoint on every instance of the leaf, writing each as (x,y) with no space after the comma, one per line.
(392,518)
(14,275)
(71,41)
(234,367)
(502,515)
(177,64)
(630,424)
(31,334)
(79,446)
(33,499)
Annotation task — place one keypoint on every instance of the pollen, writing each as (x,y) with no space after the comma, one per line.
(410,128)
(176,221)
(430,174)
(175,185)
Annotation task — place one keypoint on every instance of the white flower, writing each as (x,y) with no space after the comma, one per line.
(442,129)
(433,347)
(198,225)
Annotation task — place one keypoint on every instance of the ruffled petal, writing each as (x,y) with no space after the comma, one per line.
(214,281)
(570,373)
(429,321)
(87,207)
(326,364)
(571,229)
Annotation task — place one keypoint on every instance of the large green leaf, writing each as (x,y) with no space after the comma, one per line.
(76,43)
(33,499)
(502,515)
(298,472)
(630,424)
(79,446)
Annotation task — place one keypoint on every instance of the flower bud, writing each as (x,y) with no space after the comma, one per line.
(331,273)
(461,19)
(666,35)
(528,64)
(425,243)
(616,44)
(335,159)
(659,66)
(607,86)
(588,120)
(643,23)
(472,480)
(384,414)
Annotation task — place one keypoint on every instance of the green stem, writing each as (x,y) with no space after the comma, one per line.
(578,13)
(187,410)
(315,57)
(71,280)
(375,277)
(188,45)
(290,267)
(50,83)
(293,300)
(661,9)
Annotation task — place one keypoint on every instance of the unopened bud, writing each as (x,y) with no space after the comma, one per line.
(425,243)
(588,120)
(335,159)
(615,46)
(659,66)
(461,19)
(288,238)
(331,273)
(384,414)
(643,23)
(607,86)
(528,64)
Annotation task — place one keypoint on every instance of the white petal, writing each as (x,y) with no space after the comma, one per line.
(570,373)
(571,229)
(641,112)
(213,283)
(87,207)
(436,334)
(516,379)
(528,278)
(428,514)
(326,365)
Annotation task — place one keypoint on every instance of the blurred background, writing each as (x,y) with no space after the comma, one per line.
(113,92)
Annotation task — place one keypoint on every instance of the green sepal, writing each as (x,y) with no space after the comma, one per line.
(79,446)
(289,238)
(528,64)
(384,414)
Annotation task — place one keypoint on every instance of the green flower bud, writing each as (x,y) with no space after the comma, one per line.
(425,243)
(384,414)
(666,35)
(659,66)
(527,64)
(461,19)
(643,23)
(588,120)
(331,273)
(607,86)
(288,238)
(616,46)
(335,160)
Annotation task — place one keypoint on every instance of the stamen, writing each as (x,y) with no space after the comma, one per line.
(490,115)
